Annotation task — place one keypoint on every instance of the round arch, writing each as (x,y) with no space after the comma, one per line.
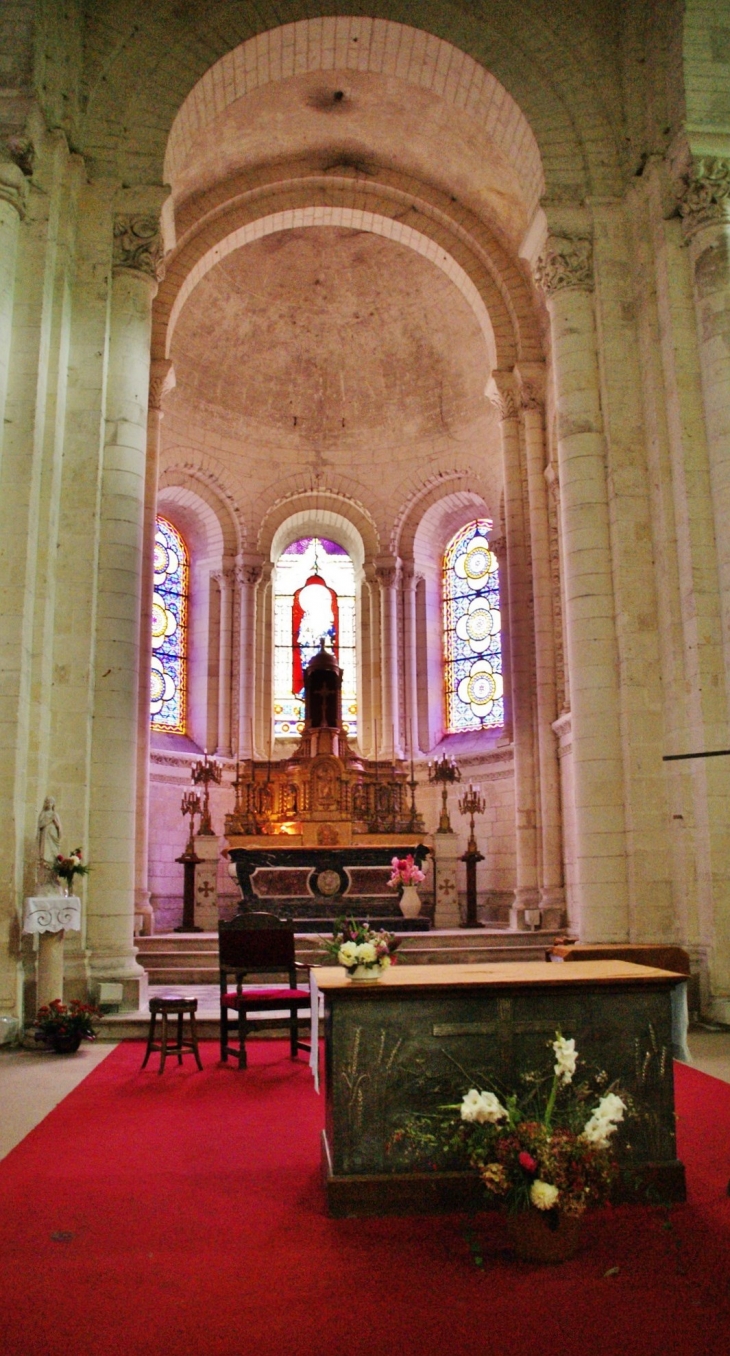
(316,512)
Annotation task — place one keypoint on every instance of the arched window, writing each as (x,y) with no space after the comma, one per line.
(314,600)
(472,623)
(169,630)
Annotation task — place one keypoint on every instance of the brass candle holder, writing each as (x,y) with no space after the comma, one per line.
(444,773)
(203,773)
(190,806)
(472,803)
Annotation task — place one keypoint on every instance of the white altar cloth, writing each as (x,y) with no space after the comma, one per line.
(52,913)
(315,1000)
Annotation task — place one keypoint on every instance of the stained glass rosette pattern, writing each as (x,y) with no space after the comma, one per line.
(169,630)
(472,627)
(317,614)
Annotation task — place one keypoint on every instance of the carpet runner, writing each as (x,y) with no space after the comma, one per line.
(150,1215)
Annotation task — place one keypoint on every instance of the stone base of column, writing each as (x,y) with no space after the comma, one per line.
(144,914)
(525,914)
(552,908)
(207,848)
(446,854)
(50,967)
(119,970)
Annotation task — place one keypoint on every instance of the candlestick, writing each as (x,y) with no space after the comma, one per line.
(444,772)
(204,773)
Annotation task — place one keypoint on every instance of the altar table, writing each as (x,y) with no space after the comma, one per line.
(422,1035)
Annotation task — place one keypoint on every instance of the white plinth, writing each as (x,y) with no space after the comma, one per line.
(446,856)
(49,917)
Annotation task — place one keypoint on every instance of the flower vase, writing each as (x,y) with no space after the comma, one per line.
(410,902)
(66,1044)
(365,973)
(544,1235)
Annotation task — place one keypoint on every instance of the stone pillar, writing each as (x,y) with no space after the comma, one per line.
(162,380)
(248,573)
(387,572)
(445,866)
(263,662)
(531,379)
(705,209)
(565,271)
(224,580)
(113,772)
(527,894)
(410,584)
(13,193)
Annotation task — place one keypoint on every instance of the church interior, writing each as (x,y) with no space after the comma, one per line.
(364,491)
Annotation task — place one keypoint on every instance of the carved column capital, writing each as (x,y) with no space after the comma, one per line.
(223,578)
(162,380)
(499,546)
(248,571)
(13,186)
(531,385)
(566,261)
(410,577)
(387,569)
(704,193)
(138,245)
(502,391)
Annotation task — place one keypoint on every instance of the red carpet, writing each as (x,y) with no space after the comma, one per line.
(188,1218)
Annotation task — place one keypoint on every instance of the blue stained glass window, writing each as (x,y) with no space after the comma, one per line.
(472,631)
(169,630)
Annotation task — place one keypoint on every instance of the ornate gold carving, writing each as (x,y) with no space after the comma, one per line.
(566,261)
(138,245)
(704,193)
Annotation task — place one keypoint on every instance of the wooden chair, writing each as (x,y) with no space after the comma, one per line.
(258,944)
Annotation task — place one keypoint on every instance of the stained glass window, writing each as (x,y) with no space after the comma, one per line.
(314,600)
(472,623)
(169,630)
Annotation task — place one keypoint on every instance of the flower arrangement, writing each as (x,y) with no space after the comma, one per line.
(66,1021)
(354,945)
(65,868)
(550,1151)
(404,871)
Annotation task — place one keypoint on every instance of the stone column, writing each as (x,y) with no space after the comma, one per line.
(705,209)
(531,380)
(565,271)
(263,661)
(248,573)
(224,580)
(162,380)
(113,773)
(527,893)
(387,569)
(13,193)
(410,583)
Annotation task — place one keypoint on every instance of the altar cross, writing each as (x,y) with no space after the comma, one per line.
(505,1028)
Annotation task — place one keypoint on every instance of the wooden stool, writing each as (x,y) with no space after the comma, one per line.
(173,1006)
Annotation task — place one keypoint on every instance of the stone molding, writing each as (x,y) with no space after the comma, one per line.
(138,245)
(13,186)
(566,261)
(162,380)
(704,197)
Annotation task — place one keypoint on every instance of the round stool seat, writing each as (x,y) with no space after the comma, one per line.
(173,1005)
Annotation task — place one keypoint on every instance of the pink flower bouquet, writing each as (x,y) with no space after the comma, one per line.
(405,872)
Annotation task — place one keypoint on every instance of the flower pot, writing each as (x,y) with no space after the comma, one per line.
(66,1044)
(544,1235)
(410,902)
(365,973)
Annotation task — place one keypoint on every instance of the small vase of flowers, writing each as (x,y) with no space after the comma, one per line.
(65,868)
(63,1026)
(365,954)
(405,876)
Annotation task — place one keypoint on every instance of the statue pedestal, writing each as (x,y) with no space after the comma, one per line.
(48,916)
(446,855)
(207,850)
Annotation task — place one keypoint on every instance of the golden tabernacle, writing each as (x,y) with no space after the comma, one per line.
(313,835)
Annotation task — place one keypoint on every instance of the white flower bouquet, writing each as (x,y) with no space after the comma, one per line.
(356,946)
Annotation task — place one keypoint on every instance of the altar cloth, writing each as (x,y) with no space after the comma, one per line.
(52,913)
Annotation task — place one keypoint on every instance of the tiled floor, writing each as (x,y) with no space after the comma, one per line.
(32,1082)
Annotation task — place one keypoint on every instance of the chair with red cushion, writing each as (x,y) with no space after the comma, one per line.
(258,944)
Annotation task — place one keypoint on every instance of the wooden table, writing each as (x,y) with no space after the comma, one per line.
(420,1036)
